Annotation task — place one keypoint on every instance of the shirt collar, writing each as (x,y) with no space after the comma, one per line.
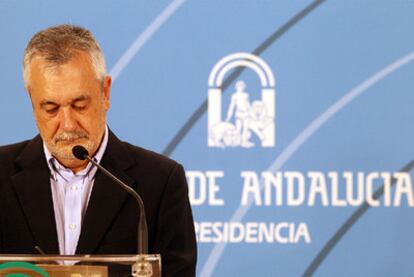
(57,168)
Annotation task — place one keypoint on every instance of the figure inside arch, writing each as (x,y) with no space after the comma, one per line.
(248,118)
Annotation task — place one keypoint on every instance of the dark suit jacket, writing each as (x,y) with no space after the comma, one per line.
(110,223)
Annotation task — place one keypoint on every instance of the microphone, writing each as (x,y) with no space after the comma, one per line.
(82,154)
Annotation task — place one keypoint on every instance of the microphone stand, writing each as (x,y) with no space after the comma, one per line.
(142,223)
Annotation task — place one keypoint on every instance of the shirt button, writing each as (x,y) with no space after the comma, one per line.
(72,226)
(74,187)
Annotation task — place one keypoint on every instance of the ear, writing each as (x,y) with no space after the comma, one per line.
(107,83)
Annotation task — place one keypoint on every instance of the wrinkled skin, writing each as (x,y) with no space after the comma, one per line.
(69,106)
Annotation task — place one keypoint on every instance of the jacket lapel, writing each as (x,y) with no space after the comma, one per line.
(106,198)
(32,186)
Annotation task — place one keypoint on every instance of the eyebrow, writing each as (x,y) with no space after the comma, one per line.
(81,98)
(77,99)
(47,102)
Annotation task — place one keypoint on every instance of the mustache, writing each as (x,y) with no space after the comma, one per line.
(70,136)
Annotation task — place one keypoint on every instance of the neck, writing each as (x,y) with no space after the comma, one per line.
(74,165)
(77,169)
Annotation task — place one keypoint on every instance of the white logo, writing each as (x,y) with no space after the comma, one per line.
(243,118)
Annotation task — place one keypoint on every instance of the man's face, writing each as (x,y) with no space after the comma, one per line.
(69,106)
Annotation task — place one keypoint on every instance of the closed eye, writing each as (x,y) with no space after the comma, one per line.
(79,107)
(80,103)
(52,111)
(49,107)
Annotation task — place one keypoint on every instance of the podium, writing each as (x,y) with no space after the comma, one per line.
(81,265)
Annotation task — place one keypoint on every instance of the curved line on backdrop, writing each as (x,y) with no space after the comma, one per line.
(192,120)
(288,152)
(140,41)
(333,241)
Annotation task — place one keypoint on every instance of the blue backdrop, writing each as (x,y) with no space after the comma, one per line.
(343,107)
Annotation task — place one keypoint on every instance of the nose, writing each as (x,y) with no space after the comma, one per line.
(67,120)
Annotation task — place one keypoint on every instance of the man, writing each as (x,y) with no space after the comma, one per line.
(63,205)
(240,105)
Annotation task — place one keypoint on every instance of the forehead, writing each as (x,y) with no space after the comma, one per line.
(67,80)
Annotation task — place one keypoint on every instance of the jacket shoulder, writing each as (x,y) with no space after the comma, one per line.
(8,156)
(8,153)
(148,157)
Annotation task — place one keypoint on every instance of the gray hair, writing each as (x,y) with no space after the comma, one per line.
(57,45)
